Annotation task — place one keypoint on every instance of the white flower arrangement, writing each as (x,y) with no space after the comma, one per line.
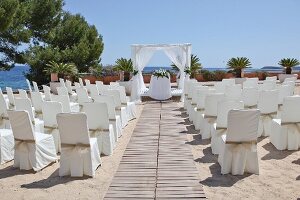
(161,73)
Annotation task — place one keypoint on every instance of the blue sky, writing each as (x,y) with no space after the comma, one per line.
(262,30)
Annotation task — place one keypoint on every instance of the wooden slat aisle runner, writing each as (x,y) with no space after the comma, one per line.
(157,164)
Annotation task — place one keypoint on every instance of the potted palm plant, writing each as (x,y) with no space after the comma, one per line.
(288,64)
(60,70)
(238,65)
(125,67)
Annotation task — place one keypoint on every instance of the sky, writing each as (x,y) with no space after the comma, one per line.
(264,31)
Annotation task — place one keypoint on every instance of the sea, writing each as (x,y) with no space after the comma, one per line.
(16,80)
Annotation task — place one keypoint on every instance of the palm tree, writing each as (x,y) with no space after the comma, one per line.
(61,69)
(288,63)
(238,64)
(194,68)
(124,65)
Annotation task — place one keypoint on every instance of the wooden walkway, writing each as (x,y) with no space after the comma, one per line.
(157,164)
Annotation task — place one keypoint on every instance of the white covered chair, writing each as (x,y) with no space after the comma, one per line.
(11,97)
(285,131)
(62,82)
(66,104)
(87,84)
(22,94)
(81,82)
(99,126)
(239,146)
(250,83)
(101,87)
(284,91)
(194,101)
(33,150)
(114,119)
(4,121)
(220,87)
(268,106)
(228,81)
(72,94)
(64,91)
(120,110)
(233,92)
(271,78)
(250,97)
(35,86)
(210,113)
(25,104)
(37,102)
(83,96)
(220,127)
(267,85)
(29,85)
(47,92)
(190,91)
(187,84)
(50,110)
(6,146)
(130,105)
(77,85)
(93,90)
(79,153)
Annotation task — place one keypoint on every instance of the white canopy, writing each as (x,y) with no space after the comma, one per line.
(179,54)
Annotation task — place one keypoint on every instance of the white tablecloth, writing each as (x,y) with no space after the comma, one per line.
(160,88)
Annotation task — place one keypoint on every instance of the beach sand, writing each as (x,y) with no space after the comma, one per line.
(47,185)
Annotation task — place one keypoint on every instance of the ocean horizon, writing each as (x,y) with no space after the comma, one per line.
(15,78)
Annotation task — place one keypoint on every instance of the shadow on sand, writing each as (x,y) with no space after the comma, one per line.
(273,153)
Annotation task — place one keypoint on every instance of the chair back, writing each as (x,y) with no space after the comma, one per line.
(50,110)
(242,125)
(22,93)
(37,100)
(267,101)
(291,84)
(201,93)
(47,92)
(114,84)
(111,105)
(211,103)
(73,128)
(191,88)
(187,84)
(93,90)
(293,79)
(269,85)
(284,91)
(35,86)
(21,125)
(82,95)
(195,94)
(251,82)
(228,81)
(65,102)
(3,106)
(223,109)
(29,85)
(62,82)
(220,87)
(233,92)
(62,91)
(122,91)
(69,86)
(271,78)
(80,82)
(25,104)
(97,115)
(10,95)
(291,109)
(77,85)
(87,82)
(116,95)
(250,96)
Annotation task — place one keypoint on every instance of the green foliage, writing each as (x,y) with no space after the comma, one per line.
(288,63)
(217,75)
(123,64)
(96,71)
(63,69)
(161,73)
(194,68)
(238,64)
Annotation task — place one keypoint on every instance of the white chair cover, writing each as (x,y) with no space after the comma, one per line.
(228,82)
(77,85)
(33,150)
(250,83)
(35,86)
(11,97)
(6,146)
(285,132)
(47,92)
(238,151)
(37,102)
(120,110)
(191,89)
(93,90)
(199,109)
(233,92)
(22,94)
(62,82)
(268,106)
(130,106)
(271,78)
(99,126)
(160,88)
(284,91)
(268,85)
(29,85)
(79,153)
(66,104)
(64,91)
(114,119)
(250,96)
(220,127)
(4,121)
(83,96)
(50,110)
(81,82)
(25,104)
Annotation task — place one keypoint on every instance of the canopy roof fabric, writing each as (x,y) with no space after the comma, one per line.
(179,54)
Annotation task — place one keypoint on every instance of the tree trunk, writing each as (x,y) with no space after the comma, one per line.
(288,70)
(238,73)
(126,76)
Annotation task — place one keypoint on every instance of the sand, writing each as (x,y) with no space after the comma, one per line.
(46,184)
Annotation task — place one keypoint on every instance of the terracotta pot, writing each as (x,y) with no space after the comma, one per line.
(147,78)
(54,77)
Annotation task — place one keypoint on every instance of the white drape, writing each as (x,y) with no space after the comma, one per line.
(141,55)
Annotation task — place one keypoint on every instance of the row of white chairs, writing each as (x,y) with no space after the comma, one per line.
(211,116)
